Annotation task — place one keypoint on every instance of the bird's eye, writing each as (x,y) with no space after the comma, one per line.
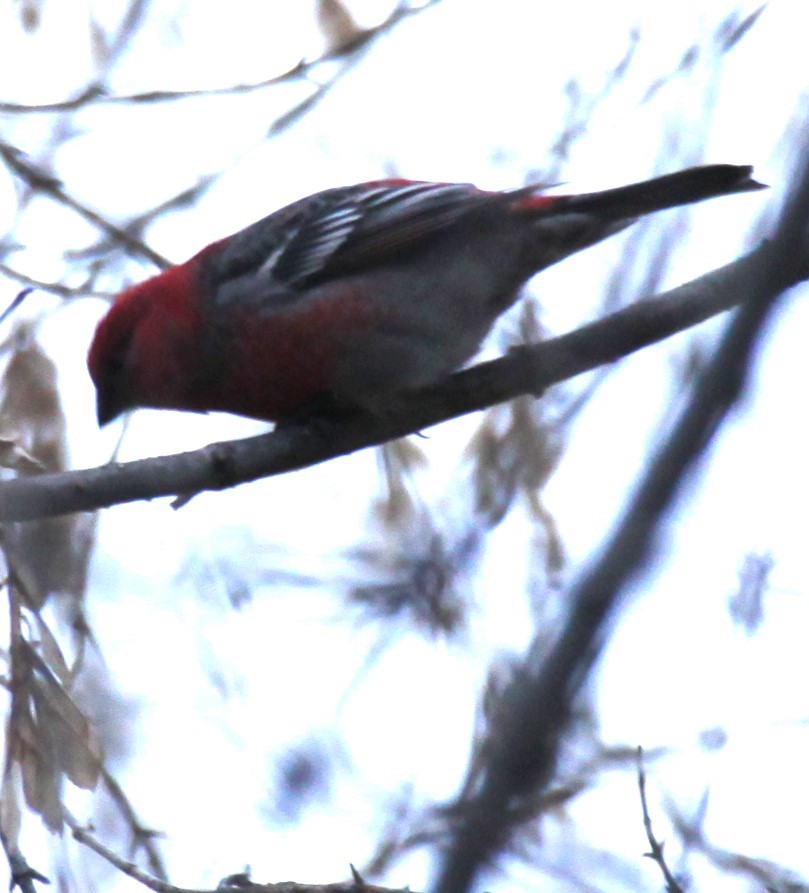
(115,364)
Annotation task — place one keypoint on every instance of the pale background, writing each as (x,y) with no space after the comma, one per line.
(210,696)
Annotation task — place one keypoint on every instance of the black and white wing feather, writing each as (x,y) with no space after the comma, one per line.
(348,229)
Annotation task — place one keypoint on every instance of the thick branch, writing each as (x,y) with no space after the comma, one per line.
(524,741)
(527,370)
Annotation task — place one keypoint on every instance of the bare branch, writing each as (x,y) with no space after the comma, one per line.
(655,847)
(54,288)
(522,749)
(725,37)
(762,873)
(40,181)
(527,370)
(127,867)
(22,874)
(142,837)
(95,94)
(240,882)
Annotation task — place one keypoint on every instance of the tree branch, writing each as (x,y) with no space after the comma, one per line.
(41,181)
(54,288)
(522,748)
(655,846)
(237,883)
(22,874)
(95,93)
(527,370)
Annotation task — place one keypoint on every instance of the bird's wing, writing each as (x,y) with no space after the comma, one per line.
(348,229)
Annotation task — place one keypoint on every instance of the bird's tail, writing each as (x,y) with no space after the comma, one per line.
(564,224)
(692,185)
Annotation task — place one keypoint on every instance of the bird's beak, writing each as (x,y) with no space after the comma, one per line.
(108,407)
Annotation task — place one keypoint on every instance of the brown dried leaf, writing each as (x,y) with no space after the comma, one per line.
(399,504)
(48,736)
(41,781)
(30,14)
(68,732)
(26,583)
(337,25)
(10,816)
(17,458)
(54,552)
(52,652)
(538,449)
(31,403)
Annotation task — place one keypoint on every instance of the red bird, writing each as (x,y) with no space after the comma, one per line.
(354,293)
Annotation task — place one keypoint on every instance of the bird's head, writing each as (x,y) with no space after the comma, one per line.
(143,350)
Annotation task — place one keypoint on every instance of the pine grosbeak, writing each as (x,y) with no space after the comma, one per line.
(354,293)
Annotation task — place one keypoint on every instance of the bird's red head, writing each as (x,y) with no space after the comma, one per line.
(143,348)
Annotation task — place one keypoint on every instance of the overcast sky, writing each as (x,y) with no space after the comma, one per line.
(471,92)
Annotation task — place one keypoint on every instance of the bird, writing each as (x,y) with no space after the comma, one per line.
(347,297)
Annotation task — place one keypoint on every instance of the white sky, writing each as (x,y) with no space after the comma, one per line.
(465,91)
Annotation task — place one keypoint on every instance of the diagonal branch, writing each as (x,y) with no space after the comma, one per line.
(54,288)
(523,746)
(41,181)
(528,370)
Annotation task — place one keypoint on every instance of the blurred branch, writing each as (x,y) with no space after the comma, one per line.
(127,867)
(142,837)
(350,51)
(95,94)
(22,874)
(136,225)
(762,873)
(40,181)
(724,38)
(54,288)
(522,748)
(238,883)
(527,370)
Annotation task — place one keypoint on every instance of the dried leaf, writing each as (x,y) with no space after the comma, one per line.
(17,458)
(99,45)
(41,780)
(53,552)
(10,816)
(48,736)
(30,14)
(400,504)
(74,746)
(337,25)
(30,404)
(52,653)
(494,472)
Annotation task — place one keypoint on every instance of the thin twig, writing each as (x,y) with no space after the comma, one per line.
(142,837)
(655,847)
(85,836)
(95,94)
(54,288)
(40,181)
(22,874)
(762,873)
(243,883)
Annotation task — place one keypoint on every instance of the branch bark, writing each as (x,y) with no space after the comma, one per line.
(523,743)
(526,370)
